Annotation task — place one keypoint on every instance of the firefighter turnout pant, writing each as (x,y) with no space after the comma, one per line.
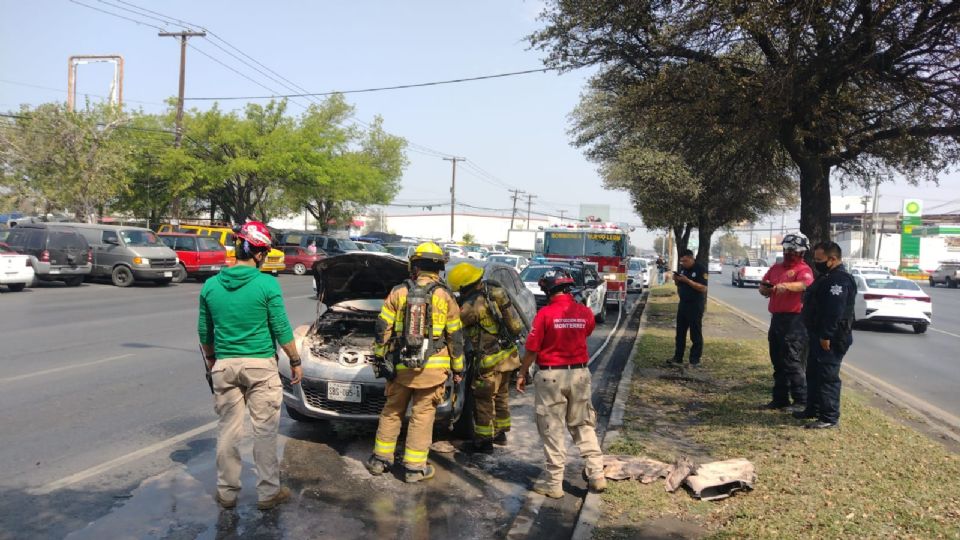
(252,384)
(563,403)
(491,395)
(787,338)
(420,429)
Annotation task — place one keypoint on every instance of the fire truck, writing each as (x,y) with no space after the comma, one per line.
(603,244)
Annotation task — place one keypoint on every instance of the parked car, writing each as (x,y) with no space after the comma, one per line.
(372,247)
(892,299)
(126,254)
(299,260)
(638,274)
(16,269)
(199,256)
(863,269)
(517,262)
(453,250)
(948,273)
(714,267)
(56,253)
(403,250)
(748,272)
(328,244)
(479,253)
(337,350)
(273,264)
(588,288)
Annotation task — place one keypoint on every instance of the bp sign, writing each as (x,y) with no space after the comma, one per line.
(910,243)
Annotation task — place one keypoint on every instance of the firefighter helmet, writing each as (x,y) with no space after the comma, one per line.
(554,279)
(427,252)
(462,275)
(795,242)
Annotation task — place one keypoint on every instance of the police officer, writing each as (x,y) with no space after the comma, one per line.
(691,282)
(558,344)
(828,315)
(491,324)
(419,388)
(784,285)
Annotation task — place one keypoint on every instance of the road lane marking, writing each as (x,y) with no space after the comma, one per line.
(64,368)
(106,466)
(945,332)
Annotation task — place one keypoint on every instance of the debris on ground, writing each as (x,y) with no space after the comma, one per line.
(709,481)
(443,447)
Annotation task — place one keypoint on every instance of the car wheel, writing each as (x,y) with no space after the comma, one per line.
(299,269)
(122,276)
(933,283)
(275,273)
(739,283)
(180,274)
(463,428)
(951,283)
(16,287)
(602,316)
(919,328)
(74,281)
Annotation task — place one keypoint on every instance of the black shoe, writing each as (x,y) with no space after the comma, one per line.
(773,405)
(805,414)
(500,439)
(480,447)
(820,424)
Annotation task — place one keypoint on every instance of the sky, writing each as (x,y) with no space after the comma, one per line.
(513,131)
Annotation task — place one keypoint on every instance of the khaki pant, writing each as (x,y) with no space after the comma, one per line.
(254,383)
(563,401)
(420,429)
(491,395)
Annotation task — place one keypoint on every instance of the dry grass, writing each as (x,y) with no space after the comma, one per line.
(872,478)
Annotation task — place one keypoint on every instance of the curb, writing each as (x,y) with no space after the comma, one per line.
(590,509)
(943,422)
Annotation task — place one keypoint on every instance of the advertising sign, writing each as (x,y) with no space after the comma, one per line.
(910,244)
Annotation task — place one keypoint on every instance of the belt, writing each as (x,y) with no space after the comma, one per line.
(568,366)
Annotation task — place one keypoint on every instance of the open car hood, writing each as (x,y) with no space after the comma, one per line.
(358,276)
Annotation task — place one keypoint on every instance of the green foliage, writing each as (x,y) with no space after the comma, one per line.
(729,245)
(468,238)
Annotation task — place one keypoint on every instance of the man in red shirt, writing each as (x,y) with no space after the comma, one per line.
(558,344)
(784,284)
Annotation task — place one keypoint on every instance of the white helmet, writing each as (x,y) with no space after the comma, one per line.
(796,241)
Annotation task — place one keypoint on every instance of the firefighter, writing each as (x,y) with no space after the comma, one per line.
(492,325)
(558,344)
(419,343)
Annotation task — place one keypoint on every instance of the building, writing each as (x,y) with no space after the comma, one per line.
(484,228)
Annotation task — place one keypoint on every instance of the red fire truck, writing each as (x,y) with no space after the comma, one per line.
(604,244)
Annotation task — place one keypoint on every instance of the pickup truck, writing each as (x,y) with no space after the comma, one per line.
(748,272)
(948,273)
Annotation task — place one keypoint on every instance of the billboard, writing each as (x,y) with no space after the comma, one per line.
(910,244)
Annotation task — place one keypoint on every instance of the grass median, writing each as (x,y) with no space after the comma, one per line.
(872,478)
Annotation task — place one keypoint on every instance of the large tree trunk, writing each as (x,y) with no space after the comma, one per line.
(681,235)
(814,200)
(705,233)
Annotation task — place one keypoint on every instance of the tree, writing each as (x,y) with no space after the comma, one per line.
(852,86)
(660,245)
(469,238)
(728,245)
(76,161)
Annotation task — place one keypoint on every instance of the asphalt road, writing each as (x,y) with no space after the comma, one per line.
(107,431)
(926,366)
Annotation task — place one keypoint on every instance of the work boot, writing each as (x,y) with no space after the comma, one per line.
(282,496)
(377,465)
(480,446)
(547,491)
(820,424)
(500,439)
(226,504)
(419,475)
(597,484)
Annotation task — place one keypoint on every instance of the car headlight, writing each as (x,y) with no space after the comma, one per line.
(141,261)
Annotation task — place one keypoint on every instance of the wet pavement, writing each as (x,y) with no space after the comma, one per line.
(168,493)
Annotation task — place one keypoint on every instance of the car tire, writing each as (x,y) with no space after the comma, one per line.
(16,287)
(275,273)
(299,269)
(121,276)
(601,317)
(74,281)
(933,283)
(463,428)
(951,284)
(739,283)
(920,328)
(180,274)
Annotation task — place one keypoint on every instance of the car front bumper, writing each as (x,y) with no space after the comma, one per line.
(153,273)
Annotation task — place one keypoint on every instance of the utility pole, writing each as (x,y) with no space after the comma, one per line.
(513,215)
(562,212)
(453,190)
(178,134)
(873,221)
(530,198)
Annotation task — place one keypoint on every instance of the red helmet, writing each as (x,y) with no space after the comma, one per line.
(255,233)
(554,279)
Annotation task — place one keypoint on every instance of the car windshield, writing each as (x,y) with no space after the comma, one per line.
(890,283)
(209,244)
(503,259)
(133,237)
(637,264)
(532,274)
(399,251)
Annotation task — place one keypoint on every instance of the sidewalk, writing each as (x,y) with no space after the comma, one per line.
(872,478)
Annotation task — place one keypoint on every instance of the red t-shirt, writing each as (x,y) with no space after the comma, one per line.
(559,333)
(786,301)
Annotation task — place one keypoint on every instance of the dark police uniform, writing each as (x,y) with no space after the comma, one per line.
(828,314)
(690,314)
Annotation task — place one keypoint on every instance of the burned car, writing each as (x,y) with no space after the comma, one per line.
(337,349)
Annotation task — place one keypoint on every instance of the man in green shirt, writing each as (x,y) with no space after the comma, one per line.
(242,318)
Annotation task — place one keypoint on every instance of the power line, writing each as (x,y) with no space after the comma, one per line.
(135,21)
(379,89)
(63,91)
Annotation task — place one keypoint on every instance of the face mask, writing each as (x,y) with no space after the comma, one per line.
(821,267)
(791,257)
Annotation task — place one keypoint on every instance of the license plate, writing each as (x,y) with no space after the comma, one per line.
(343,392)
(217,267)
(54,271)
(168,274)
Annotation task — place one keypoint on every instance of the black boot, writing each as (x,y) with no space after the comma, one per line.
(480,446)
(500,439)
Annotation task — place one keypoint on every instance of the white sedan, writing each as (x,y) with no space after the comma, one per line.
(714,267)
(16,270)
(892,299)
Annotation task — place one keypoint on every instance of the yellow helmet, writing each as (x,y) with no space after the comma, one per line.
(427,251)
(462,275)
